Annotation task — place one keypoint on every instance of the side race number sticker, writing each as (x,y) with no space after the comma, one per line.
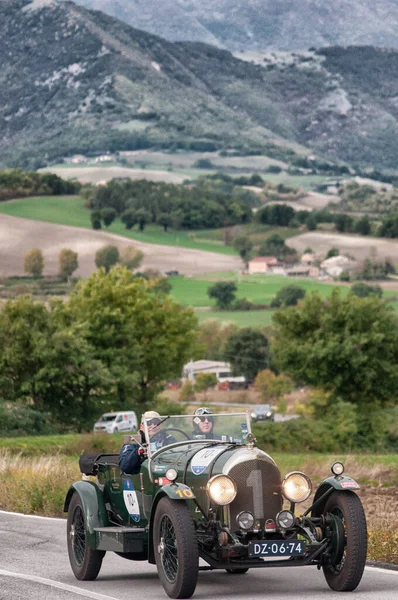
(202,459)
(130,500)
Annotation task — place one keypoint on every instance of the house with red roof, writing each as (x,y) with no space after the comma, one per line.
(263,264)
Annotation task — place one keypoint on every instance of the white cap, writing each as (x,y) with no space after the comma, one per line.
(150,414)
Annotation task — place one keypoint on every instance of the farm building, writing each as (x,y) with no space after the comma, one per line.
(263,264)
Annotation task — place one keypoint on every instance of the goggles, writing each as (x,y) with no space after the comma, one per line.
(153,422)
(208,418)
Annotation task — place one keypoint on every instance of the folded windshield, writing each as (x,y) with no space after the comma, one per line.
(225,428)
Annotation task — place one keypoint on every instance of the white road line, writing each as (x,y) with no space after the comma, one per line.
(56,584)
(5,512)
(380,570)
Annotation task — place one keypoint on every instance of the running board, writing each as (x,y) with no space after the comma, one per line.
(121,539)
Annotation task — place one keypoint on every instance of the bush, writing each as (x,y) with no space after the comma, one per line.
(363,290)
(288,296)
(16,420)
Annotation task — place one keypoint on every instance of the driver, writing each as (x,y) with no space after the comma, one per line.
(157,437)
(203,424)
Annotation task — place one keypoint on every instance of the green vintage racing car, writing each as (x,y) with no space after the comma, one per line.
(215,497)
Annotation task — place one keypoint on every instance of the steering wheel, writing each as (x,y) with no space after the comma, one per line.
(165,431)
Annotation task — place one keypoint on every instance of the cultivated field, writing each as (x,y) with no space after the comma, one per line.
(17,236)
(354,245)
(102,174)
(311,201)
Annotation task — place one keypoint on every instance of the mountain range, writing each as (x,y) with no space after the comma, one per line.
(74,80)
(261,24)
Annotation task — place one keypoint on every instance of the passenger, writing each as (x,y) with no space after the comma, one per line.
(157,437)
(203,424)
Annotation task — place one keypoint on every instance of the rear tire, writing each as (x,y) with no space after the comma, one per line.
(85,562)
(347,573)
(176,548)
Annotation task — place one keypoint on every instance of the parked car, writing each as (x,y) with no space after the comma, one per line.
(222,500)
(114,422)
(263,412)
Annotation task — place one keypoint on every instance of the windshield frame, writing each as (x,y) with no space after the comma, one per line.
(151,453)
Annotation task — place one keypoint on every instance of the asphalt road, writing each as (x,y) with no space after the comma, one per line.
(34,564)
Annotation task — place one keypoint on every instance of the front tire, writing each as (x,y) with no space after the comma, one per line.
(176,548)
(85,562)
(345,575)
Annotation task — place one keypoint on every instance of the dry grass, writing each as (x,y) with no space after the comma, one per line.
(35,486)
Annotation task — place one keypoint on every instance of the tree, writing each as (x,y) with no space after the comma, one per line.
(131,257)
(204,381)
(363,290)
(332,252)
(129,218)
(311,222)
(144,338)
(68,262)
(143,217)
(165,220)
(248,352)
(46,362)
(344,223)
(96,219)
(213,336)
(346,345)
(108,215)
(275,246)
(107,257)
(223,292)
(270,386)
(288,296)
(363,226)
(244,246)
(34,262)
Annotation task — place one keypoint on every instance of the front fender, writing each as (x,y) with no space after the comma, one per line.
(340,482)
(175,491)
(92,500)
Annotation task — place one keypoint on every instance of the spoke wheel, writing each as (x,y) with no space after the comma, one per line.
(85,562)
(176,548)
(345,573)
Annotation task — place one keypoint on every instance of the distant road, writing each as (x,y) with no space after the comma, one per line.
(18,235)
(34,565)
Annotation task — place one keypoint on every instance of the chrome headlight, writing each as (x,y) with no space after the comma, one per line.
(221,489)
(253,415)
(171,475)
(285,519)
(296,487)
(337,468)
(245,520)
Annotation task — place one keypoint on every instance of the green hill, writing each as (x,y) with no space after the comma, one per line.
(77,81)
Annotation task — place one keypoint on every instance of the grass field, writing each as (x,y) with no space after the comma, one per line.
(259,289)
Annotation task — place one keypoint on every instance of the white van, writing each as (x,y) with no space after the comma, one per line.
(113,422)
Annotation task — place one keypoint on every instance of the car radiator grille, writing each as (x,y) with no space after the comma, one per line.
(259,490)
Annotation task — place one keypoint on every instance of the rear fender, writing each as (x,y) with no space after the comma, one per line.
(339,483)
(175,491)
(93,506)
